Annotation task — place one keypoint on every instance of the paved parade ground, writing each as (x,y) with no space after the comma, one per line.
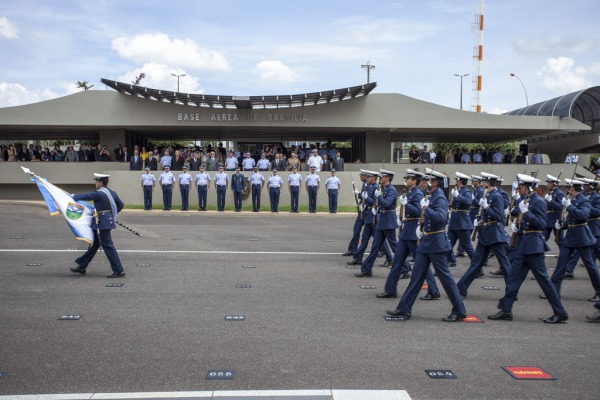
(221,303)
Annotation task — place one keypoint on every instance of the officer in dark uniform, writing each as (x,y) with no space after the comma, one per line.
(578,237)
(238,184)
(554,199)
(477,195)
(433,249)
(492,235)
(460,226)
(407,240)
(360,219)
(385,226)
(530,255)
(106,206)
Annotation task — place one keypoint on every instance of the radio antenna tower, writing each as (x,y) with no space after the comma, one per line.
(477,28)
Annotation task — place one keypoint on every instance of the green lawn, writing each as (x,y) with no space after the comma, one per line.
(245,207)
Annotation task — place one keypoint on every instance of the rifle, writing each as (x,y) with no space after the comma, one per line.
(355,195)
(564,213)
(557,238)
(478,218)
(513,237)
(376,202)
(401,213)
(422,220)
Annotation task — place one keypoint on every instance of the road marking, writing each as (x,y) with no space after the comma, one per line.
(170,251)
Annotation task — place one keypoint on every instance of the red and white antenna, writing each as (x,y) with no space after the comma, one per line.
(477,59)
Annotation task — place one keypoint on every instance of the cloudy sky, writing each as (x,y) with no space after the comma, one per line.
(264,47)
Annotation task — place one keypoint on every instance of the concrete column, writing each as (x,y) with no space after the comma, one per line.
(377,146)
(111,138)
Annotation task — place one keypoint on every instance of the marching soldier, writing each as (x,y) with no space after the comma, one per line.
(477,195)
(433,249)
(294,185)
(529,256)
(202,184)
(257,180)
(554,199)
(460,226)
(185,180)
(360,218)
(106,206)
(148,182)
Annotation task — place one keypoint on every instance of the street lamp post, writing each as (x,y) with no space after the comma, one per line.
(178,76)
(526,98)
(368,66)
(461,86)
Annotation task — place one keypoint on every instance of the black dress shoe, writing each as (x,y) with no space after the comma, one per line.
(555,319)
(117,275)
(354,262)
(430,297)
(463,295)
(460,255)
(398,313)
(362,275)
(386,264)
(386,295)
(405,275)
(497,272)
(569,275)
(454,318)
(481,275)
(595,298)
(348,253)
(452,264)
(78,270)
(593,317)
(501,316)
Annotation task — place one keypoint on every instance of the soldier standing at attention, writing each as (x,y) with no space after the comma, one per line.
(221,188)
(167,182)
(238,184)
(274,184)
(294,184)
(106,206)
(202,185)
(148,182)
(185,180)
(257,180)
(313,184)
(333,185)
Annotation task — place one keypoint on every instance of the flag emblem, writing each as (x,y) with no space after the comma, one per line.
(74,211)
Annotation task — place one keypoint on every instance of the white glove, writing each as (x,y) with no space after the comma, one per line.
(419,233)
(558,225)
(424,202)
(524,207)
(483,203)
(403,200)
(355,204)
(548,198)
(377,192)
(374,211)
(476,223)
(506,212)
(513,228)
(361,207)
(454,192)
(566,202)
(356,192)
(399,222)
(516,195)
(364,195)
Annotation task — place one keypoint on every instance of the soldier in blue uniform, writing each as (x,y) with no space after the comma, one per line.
(202,184)
(274,184)
(221,179)
(460,225)
(554,199)
(433,249)
(257,180)
(407,240)
(238,184)
(294,185)
(477,195)
(385,225)
(313,184)
(492,235)
(106,206)
(148,181)
(167,181)
(578,237)
(185,184)
(529,255)
(360,219)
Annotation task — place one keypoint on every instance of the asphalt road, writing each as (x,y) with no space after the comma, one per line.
(308,324)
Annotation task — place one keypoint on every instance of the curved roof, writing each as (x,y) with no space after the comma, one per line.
(242,102)
(584,106)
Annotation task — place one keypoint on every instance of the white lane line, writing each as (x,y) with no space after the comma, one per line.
(171,251)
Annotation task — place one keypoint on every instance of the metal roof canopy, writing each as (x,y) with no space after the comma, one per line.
(241,102)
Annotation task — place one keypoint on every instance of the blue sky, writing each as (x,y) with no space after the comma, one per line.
(261,47)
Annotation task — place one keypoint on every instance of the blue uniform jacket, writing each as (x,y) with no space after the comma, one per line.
(434,238)
(578,232)
(532,225)
(370,202)
(491,226)
(477,195)
(594,218)
(106,220)
(554,207)
(363,188)
(459,212)
(505,197)
(412,215)
(238,183)
(386,210)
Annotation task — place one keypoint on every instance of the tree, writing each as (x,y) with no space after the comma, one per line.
(84,85)
(139,78)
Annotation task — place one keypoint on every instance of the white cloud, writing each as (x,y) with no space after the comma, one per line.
(8,29)
(15,94)
(160,48)
(275,74)
(361,30)
(565,43)
(158,76)
(560,75)
(497,111)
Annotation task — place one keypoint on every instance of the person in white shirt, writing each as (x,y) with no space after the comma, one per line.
(274,184)
(202,184)
(148,181)
(315,161)
(185,180)
(313,184)
(248,163)
(231,163)
(333,185)
(257,182)
(221,179)
(294,182)
(167,181)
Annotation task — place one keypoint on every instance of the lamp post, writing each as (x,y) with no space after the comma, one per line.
(461,86)
(178,76)
(368,66)
(526,98)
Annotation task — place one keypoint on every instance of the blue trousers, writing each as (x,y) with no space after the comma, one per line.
(202,194)
(521,265)
(105,240)
(378,240)
(576,257)
(479,259)
(312,199)
(147,197)
(221,192)
(564,256)
(185,196)
(420,268)
(548,231)
(294,195)
(237,200)
(167,196)
(358,224)
(464,239)
(333,200)
(274,193)
(400,265)
(256,191)
(368,231)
